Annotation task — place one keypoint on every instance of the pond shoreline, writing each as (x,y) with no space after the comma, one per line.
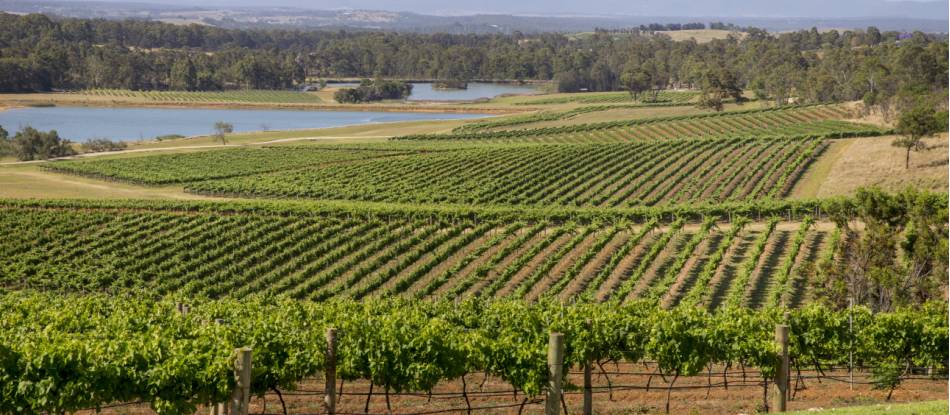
(83,123)
(427,107)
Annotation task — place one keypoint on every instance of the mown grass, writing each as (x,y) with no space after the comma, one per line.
(916,408)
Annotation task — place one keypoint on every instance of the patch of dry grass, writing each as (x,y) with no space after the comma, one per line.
(701,35)
(32,182)
(861,162)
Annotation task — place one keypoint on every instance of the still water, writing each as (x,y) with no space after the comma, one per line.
(423,91)
(84,123)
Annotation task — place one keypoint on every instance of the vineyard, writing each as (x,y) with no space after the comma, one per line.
(428,273)
(595,175)
(663,97)
(205,165)
(98,350)
(822,121)
(333,254)
(209,97)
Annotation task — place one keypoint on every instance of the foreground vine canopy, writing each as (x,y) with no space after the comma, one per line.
(69,352)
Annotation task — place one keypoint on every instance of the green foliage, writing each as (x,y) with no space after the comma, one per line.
(817,121)
(31,144)
(680,341)
(897,258)
(6,145)
(592,175)
(98,145)
(205,165)
(737,294)
(40,53)
(65,353)
(376,90)
(342,250)
(664,98)
(221,130)
(918,122)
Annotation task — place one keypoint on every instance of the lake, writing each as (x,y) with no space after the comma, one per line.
(423,91)
(84,123)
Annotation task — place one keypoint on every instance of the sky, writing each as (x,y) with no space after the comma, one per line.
(678,8)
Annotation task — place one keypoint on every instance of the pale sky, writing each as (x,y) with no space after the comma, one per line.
(677,8)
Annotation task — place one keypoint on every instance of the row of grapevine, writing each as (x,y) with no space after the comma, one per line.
(765,122)
(665,97)
(551,116)
(317,258)
(739,285)
(835,208)
(214,164)
(84,246)
(780,285)
(235,96)
(592,175)
(63,353)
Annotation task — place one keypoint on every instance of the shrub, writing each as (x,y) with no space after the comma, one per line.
(31,144)
(98,145)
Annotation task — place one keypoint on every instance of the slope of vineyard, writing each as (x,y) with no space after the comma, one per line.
(235,96)
(595,175)
(203,165)
(331,254)
(820,120)
(662,97)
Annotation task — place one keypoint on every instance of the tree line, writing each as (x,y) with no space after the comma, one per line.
(39,53)
(373,90)
(32,144)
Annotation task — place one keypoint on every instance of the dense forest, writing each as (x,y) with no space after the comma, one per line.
(38,53)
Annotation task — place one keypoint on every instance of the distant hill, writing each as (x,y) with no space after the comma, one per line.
(906,16)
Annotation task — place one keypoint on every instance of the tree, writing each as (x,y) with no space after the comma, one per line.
(718,84)
(913,125)
(221,129)
(635,81)
(184,76)
(6,146)
(31,144)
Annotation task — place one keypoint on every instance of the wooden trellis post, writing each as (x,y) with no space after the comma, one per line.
(588,389)
(780,388)
(241,396)
(552,402)
(330,370)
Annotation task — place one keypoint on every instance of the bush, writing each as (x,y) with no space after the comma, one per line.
(6,146)
(98,145)
(377,90)
(31,144)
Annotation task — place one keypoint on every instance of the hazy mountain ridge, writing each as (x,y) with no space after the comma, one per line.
(241,16)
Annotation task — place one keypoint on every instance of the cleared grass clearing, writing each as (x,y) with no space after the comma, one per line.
(32,182)
(874,161)
(913,408)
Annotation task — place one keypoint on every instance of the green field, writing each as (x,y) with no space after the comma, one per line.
(641,219)
(770,122)
(245,96)
(681,230)
(205,165)
(597,175)
(346,252)
(663,97)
